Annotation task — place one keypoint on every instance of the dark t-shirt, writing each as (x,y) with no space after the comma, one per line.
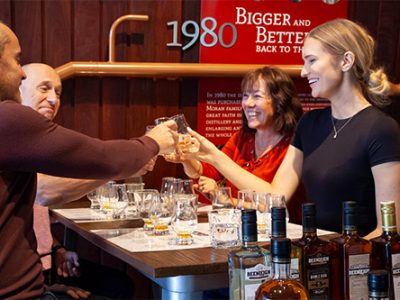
(31,143)
(338,170)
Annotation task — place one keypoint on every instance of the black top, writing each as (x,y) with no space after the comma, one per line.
(337,170)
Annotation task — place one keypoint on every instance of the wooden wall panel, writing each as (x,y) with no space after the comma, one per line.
(57,32)
(30,36)
(86,30)
(5,12)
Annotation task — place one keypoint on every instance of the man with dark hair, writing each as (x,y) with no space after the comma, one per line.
(32,143)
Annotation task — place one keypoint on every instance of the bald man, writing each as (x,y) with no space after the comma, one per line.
(31,143)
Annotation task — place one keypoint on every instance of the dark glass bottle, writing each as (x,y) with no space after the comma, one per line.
(278,230)
(281,285)
(378,285)
(250,265)
(315,257)
(350,259)
(386,249)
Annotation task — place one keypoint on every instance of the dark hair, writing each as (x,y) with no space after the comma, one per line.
(285,102)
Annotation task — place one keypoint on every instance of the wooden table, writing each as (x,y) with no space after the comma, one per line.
(180,274)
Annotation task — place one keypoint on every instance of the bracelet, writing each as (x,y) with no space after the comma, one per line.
(56,247)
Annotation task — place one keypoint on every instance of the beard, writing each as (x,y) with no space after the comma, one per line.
(8,92)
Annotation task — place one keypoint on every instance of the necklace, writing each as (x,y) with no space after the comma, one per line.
(340,129)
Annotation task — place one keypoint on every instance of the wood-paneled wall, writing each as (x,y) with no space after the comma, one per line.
(56,32)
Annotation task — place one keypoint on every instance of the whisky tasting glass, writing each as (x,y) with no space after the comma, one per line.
(133,200)
(108,196)
(121,202)
(222,198)
(185,141)
(184,219)
(94,197)
(262,206)
(245,199)
(161,212)
(146,198)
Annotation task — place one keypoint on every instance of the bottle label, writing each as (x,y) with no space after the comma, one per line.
(253,278)
(317,276)
(358,281)
(294,268)
(396,274)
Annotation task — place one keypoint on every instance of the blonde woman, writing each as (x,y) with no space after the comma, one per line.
(348,151)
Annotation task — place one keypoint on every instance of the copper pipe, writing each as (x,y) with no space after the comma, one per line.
(163,70)
(117,22)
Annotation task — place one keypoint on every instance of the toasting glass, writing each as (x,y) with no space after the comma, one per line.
(184,220)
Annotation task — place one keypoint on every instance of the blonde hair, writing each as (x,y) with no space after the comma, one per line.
(341,35)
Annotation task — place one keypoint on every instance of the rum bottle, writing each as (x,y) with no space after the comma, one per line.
(386,249)
(378,285)
(281,285)
(350,260)
(315,257)
(250,265)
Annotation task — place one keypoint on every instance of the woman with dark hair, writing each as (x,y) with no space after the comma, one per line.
(271,110)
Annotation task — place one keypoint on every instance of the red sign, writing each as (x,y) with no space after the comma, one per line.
(253,32)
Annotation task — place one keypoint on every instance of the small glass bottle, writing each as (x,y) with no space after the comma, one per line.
(386,249)
(350,259)
(250,265)
(378,285)
(281,285)
(278,230)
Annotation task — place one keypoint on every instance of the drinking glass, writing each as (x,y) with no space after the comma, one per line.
(108,196)
(146,199)
(186,186)
(161,120)
(161,212)
(170,185)
(245,199)
(222,198)
(184,219)
(224,227)
(133,207)
(263,211)
(185,141)
(94,197)
(121,203)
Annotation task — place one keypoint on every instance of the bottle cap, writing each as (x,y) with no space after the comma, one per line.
(278,222)
(249,225)
(388,210)
(309,222)
(378,282)
(280,250)
(349,215)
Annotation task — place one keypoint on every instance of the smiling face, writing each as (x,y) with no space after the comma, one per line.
(257,106)
(11,73)
(42,89)
(321,68)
